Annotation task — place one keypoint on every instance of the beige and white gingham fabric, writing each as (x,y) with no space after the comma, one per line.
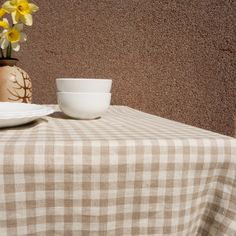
(128,173)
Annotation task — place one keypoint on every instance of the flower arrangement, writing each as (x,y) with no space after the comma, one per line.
(18,13)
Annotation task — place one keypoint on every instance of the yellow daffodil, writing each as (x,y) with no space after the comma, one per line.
(2,12)
(4,23)
(20,10)
(12,36)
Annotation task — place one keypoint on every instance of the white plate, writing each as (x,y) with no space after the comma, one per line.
(13,114)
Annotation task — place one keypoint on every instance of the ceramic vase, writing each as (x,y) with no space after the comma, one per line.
(15,84)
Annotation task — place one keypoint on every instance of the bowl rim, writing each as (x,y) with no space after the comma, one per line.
(83,79)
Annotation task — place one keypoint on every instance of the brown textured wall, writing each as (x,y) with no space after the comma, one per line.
(175,59)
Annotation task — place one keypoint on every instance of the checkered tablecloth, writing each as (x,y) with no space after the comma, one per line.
(128,173)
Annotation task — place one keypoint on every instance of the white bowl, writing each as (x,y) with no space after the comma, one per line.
(83,85)
(83,105)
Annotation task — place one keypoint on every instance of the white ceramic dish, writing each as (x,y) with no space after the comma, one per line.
(83,105)
(14,114)
(81,85)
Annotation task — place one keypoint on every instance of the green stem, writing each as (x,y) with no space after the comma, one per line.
(1,51)
(9,50)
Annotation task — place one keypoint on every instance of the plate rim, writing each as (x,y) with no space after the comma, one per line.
(41,111)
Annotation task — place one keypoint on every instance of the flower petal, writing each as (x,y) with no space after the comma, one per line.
(4,23)
(15,17)
(27,19)
(33,7)
(1,40)
(4,43)
(2,12)
(15,46)
(21,1)
(19,27)
(8,7)
(23,37)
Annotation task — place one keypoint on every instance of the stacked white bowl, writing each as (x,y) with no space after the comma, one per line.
(82,98)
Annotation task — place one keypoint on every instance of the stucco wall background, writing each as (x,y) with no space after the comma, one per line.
(175,59)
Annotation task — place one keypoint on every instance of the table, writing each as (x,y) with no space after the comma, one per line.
(128,173)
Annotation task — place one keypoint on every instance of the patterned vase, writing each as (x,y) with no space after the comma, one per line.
(15,84)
